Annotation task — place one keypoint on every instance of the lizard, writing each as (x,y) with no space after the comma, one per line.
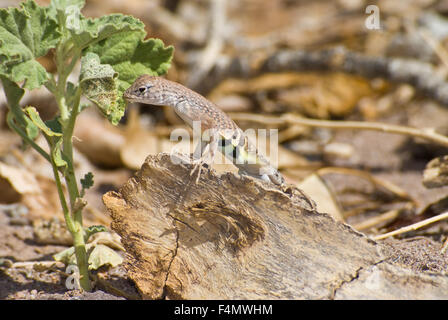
(223,133)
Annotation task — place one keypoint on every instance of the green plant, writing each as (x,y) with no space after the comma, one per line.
(113,53)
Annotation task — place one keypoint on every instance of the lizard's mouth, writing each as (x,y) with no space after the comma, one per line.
(129,97)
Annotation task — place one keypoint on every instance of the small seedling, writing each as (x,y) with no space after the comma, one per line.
(113,53)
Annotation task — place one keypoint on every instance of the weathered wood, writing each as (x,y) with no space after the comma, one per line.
(231,237)
(387,281)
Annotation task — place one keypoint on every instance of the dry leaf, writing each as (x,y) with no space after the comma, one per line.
(21,180)
(98,140)
(325,200)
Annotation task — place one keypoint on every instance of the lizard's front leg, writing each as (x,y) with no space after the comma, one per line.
(205,149)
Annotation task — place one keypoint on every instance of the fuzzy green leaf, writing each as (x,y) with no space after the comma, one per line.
(131,56)
(87,181)
(35,118)
(54,125)
(63,5)
(99,255)
(103,255)
(66,256)
(25,34)
(66,12)
(92,230)
(89,31)
(12,91)
(98,85)
(56,152)
(91,68)
(13,94)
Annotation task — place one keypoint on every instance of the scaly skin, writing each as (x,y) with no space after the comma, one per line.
(191,106)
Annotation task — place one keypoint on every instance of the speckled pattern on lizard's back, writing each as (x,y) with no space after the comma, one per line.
(189,105)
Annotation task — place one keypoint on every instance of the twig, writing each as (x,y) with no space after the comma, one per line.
(383,217)
(436,46)
(40,264)
(413,227)
(427,134)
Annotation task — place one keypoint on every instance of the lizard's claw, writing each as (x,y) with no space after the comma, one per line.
(207,154)
(198,166)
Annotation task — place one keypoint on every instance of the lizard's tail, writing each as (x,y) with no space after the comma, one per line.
(249,162)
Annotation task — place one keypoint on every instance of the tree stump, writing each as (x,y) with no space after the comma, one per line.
(231,237)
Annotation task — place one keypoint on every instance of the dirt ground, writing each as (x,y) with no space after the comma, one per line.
(421,254)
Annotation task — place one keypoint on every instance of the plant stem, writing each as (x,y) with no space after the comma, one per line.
(73,191)
(65,209)
(81,256)
(68,117)
(412,227)
(68,151)
(73,222)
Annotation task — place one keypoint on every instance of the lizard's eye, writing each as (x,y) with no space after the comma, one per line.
(144,88)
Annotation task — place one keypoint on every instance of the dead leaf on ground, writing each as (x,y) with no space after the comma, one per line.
(315,94)
(326,202)
(37,193)
(435,174)
(98,140)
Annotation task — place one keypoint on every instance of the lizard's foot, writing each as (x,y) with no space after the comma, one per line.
(198,166)
(272,176)
(207,154)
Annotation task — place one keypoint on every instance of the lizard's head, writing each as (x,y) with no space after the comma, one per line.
(146,89)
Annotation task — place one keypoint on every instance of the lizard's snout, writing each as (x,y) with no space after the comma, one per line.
(127,94)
